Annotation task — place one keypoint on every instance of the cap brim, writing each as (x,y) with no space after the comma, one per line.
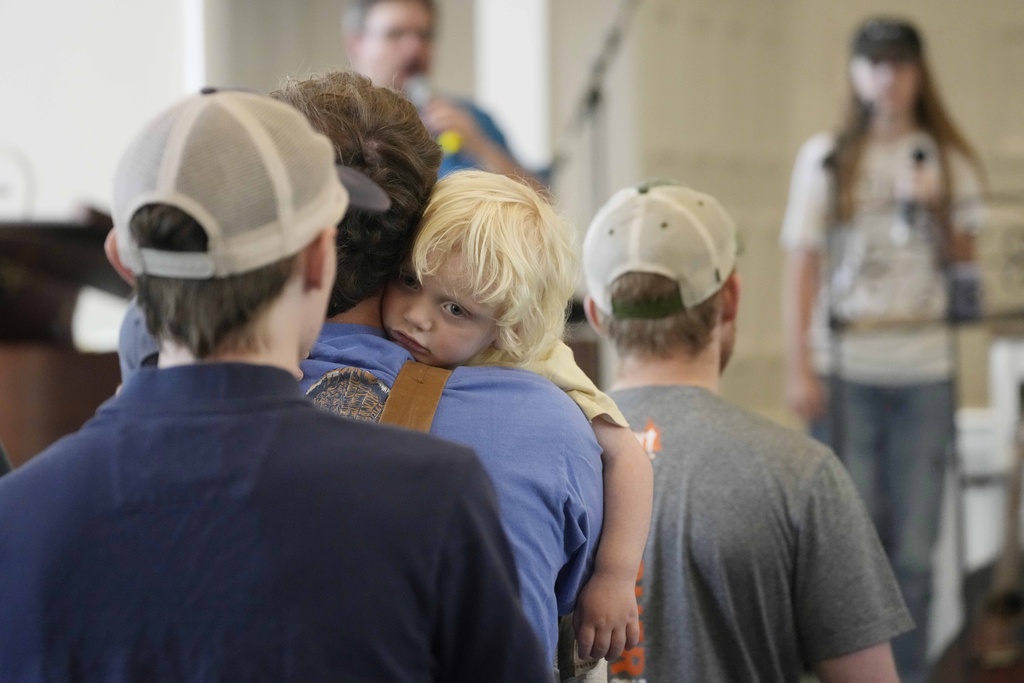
(363,193)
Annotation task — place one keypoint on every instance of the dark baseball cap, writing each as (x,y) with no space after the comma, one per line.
(881,38)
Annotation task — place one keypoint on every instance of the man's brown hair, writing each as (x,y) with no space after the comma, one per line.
(376,131)
(204,316)
(689,330)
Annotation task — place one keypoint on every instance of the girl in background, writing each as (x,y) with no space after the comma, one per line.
(879,231)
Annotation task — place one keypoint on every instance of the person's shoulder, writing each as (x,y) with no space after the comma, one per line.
(500,410)
(487,377)
(351,361)
(45,479)
(343,345)
(506,385)
(787,452)
(772,433)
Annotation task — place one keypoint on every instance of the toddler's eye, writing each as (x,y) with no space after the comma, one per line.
(455,309)
(408,280)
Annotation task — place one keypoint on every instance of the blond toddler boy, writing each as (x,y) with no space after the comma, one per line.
(491,270)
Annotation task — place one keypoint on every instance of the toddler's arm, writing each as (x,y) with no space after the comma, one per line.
(606,613)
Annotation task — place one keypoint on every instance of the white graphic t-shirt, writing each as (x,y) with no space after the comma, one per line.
(883,265)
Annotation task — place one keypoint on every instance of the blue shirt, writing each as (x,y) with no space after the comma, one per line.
(534,442)
(211,524)
(136,347)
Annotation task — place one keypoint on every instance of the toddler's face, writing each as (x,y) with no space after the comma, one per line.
(436,327)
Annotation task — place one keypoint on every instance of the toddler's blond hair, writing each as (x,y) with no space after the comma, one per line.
(517,255)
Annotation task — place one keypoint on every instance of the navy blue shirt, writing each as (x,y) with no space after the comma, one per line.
(211,524)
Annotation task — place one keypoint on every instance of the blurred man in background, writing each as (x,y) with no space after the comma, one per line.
(391,42)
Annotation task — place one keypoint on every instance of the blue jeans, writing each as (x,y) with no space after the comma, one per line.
(896,442)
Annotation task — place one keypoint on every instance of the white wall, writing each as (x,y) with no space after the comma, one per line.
(512,69)
(78,79)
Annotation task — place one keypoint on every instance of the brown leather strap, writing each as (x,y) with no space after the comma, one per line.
(414,396)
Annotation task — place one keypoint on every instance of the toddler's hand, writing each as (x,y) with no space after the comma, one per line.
(606,617)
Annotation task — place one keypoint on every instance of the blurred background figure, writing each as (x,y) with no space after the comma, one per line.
(880,221)
(391,42)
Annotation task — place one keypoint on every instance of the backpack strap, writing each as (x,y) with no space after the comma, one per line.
(414,396)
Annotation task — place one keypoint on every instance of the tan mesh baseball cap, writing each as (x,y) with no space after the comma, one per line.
(661,228)
(250,170)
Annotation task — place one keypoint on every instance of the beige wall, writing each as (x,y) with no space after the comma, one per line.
(255,43)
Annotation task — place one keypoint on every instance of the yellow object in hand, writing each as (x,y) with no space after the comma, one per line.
(450,141)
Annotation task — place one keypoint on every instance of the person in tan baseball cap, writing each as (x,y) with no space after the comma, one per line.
(761,558)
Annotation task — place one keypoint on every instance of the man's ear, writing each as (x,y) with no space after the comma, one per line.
(110,249)
(731,298)
(593,315)
(319,263)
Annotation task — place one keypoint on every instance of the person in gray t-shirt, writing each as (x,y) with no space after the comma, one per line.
(761,560)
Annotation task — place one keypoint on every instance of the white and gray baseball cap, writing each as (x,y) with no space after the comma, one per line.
(662,228)
(250,170)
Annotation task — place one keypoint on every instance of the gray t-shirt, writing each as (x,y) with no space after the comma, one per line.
(761,556)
